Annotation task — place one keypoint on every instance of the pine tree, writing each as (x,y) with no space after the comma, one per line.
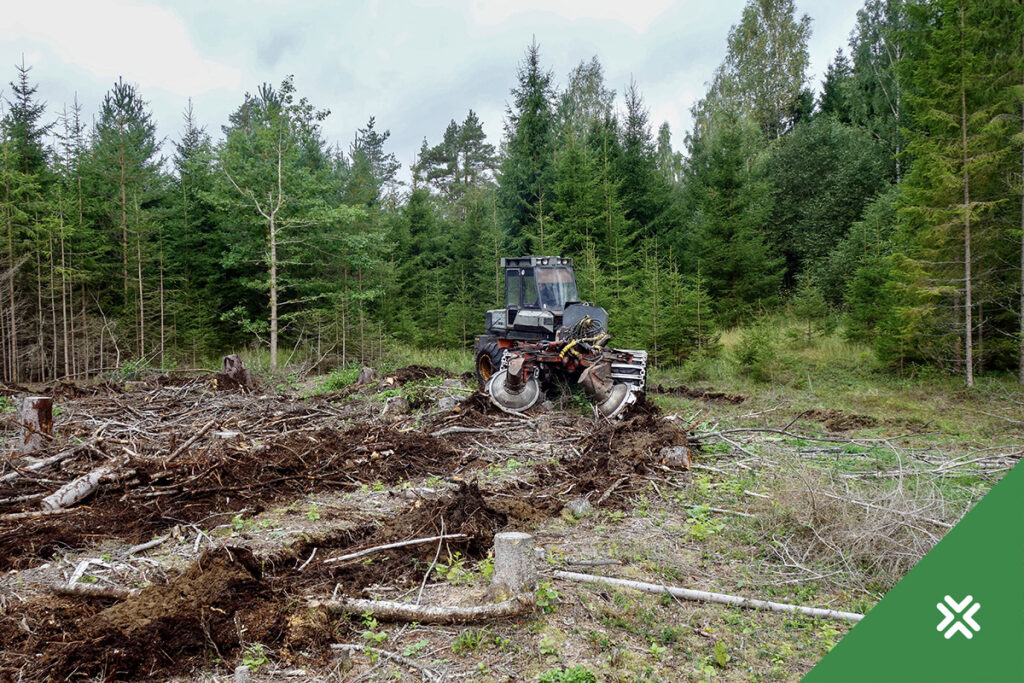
(526,179)
(275,175)
(877,47)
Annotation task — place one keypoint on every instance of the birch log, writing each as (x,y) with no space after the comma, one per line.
(405,611)
(705,596)
(79,488)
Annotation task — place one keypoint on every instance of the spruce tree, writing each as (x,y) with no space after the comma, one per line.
(526,179)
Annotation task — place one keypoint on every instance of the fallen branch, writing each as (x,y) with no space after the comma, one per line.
(903,513)
(18,516)
(146,546)
(608,493)
(427,674)
(195,437)
(705,596)
(404,611)
(389,546)
(462,430)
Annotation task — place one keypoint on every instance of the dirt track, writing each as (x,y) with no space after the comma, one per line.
(263,453)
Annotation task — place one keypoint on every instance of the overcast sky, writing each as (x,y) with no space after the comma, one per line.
(413,65)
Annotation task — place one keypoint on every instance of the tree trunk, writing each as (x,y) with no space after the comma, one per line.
(273,292)
(968,303)
(36,418)
(124,228)
(142,305)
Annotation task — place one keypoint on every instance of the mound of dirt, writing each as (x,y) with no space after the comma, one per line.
(155,630)
(698,394)
(412,373)
(619,453)
(838,421)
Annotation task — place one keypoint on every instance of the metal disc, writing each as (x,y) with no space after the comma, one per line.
(519,400)
(619,397)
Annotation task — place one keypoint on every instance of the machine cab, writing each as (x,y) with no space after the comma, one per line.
(537,291)
(539,282)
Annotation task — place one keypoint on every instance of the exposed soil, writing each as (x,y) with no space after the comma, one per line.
(838,421)
(412,373)
(617,455)
(697,394)
(257,453)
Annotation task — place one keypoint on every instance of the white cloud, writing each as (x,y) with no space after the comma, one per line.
(638,15)
(110,38)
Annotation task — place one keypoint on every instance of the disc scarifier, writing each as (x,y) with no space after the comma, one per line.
(545,333)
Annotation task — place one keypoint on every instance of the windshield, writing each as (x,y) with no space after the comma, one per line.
(556,287)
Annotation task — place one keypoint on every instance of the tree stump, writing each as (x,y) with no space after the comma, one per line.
(36,420)
(366,376)
(515,569)
(234,370)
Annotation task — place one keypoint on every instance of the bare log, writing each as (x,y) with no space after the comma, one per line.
(40,465)
(89,590)
(389,546)
(404,611)
(76,490)
(706,596)
(36,419)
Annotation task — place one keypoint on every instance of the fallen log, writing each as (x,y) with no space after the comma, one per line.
(404,611)
(705,596)
(88,590)
(40,465)
(79,488)
(18,516)
(389,546)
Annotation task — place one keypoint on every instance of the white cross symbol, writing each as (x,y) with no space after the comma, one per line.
(967,617)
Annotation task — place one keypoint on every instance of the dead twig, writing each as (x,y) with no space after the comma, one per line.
(389,546)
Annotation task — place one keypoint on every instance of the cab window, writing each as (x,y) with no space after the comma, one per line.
(513,285)
(529,290)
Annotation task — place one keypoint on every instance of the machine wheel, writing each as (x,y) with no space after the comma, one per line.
(487,357)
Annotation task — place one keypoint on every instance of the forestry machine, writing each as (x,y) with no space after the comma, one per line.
(546,333)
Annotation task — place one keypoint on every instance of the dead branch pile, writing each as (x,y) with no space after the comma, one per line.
(137,462)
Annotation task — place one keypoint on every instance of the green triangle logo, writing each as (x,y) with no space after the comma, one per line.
(958,615)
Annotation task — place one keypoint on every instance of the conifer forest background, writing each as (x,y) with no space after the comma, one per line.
(887,204)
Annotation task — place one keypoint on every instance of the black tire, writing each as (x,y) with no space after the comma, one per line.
(487,356)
